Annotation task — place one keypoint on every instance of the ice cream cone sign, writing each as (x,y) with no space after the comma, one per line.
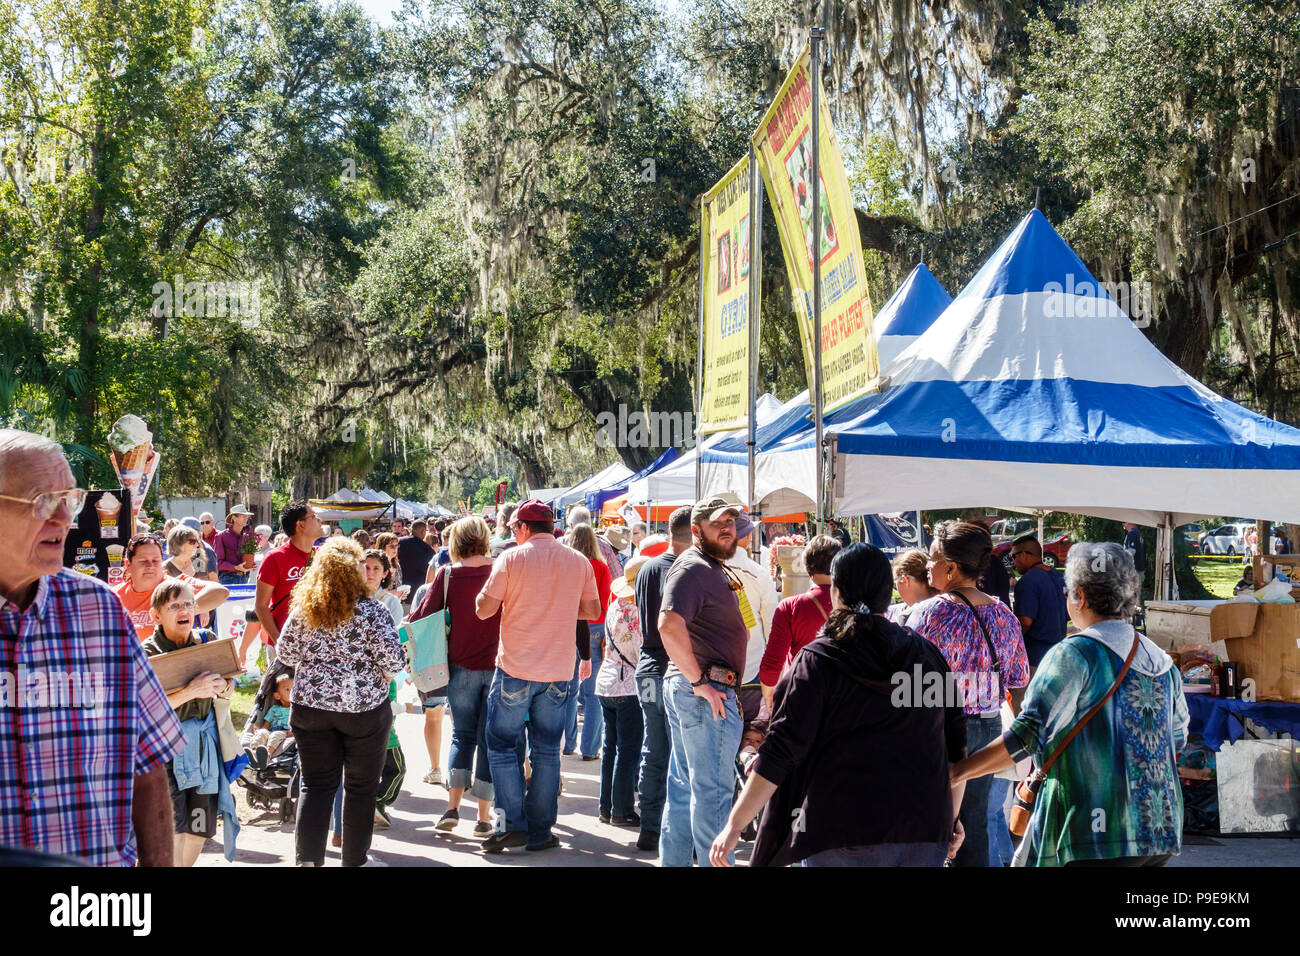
(133,456)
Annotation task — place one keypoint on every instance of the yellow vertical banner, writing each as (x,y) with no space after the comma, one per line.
(725,275)
(783,144)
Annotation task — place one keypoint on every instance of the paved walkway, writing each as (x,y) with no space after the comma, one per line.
(584,840)
(412,840)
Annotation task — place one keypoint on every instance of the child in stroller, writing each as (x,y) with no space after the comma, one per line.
(273,731)
(275,780)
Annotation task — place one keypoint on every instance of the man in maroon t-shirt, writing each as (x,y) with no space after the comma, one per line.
(283,566)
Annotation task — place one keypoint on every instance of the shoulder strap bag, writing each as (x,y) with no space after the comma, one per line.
(1022,808)
(426,645)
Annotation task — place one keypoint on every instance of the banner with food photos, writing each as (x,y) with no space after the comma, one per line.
(96,541)
(725,276)
(783,145)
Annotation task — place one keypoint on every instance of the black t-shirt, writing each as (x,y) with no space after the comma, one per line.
(698,589)
(413,556)
(649,595)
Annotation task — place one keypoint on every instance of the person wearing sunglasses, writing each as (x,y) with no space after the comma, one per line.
(70,781)
(1040,600)
(194,812)
(208,528)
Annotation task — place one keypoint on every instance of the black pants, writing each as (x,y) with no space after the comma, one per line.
(330,742)
(390,780)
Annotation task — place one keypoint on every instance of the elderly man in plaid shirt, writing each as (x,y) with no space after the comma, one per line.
(85,729)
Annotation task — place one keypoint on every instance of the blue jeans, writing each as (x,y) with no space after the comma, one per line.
(232,577)
(656,749)
(592,720)
(1000,849)
(974,816)
(571,709)
(622,753)
(511,701)
(467,694)
(701,772)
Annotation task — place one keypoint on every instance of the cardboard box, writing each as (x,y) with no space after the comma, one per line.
(1270,655)
(175,669)
(1172,624)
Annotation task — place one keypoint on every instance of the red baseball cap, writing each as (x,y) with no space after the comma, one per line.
(532,510)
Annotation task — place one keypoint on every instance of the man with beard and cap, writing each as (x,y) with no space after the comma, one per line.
(705,636)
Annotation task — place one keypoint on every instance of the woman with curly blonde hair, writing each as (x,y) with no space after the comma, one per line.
(345,651)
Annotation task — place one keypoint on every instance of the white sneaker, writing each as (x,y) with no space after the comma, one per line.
(434,777)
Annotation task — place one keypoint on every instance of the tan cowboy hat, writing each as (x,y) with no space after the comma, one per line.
(624,586)
(238,510)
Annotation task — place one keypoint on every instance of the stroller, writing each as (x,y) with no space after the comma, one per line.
(275,786)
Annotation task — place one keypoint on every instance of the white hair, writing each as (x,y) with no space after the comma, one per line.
(18,445)
(578,515)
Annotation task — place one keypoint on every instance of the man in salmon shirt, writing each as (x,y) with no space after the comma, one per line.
(542,589)
(143,567)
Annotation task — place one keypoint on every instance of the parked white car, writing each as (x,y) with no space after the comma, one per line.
(1225,539)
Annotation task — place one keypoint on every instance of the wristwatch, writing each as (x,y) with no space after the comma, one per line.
(704,678)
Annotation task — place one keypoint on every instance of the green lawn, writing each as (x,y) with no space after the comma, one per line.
(241,705)
(1218,574)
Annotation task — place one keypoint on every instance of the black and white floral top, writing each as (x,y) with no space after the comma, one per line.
(345,668)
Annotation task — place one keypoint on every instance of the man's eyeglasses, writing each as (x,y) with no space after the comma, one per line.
(181,607)
(205,522)
(44,505)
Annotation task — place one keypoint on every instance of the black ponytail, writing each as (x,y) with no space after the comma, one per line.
(864,579)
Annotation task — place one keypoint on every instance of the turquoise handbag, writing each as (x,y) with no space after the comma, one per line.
(426,646)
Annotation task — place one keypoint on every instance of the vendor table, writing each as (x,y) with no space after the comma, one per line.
(1218,719)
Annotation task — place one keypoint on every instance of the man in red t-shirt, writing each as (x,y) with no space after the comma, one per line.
(283,566)
(143,566)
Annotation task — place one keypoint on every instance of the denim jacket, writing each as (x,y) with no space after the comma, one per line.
(199,767)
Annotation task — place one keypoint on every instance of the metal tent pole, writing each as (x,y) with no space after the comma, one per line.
(816,37)
(755,311)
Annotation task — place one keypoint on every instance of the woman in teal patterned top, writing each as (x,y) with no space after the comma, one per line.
(1113,797)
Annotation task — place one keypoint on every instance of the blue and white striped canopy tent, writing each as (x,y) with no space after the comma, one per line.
(674,484)
(908,313)
(1035,389)
(782,485)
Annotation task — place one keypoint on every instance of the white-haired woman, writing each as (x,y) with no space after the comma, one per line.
(1112,796)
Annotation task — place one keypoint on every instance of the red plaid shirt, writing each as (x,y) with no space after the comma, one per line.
(81,715)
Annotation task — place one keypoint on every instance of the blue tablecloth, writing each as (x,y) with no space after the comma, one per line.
(1211,717)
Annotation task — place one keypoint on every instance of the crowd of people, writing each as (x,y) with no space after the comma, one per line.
(858,730)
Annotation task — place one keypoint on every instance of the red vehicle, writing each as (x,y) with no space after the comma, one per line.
(1054,552)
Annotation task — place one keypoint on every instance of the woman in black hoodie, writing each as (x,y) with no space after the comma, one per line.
(865,724)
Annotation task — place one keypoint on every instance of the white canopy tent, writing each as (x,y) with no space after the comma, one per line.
(615,474)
